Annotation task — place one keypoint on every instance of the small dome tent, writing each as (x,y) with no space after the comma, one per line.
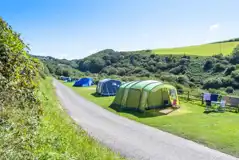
(108,87)
(83,82)
(146,95)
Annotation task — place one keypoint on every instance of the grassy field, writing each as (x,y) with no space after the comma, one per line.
(216,130)
(60,138)
(200,50)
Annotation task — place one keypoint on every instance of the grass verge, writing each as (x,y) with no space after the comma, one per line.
(217,130)
(60,138)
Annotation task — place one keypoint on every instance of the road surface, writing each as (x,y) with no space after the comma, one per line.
(131,139)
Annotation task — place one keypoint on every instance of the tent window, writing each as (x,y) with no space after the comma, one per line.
(173,93)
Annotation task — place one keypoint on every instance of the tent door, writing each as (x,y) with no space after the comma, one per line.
(165,97)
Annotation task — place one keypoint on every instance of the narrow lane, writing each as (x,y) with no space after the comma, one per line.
(130,138)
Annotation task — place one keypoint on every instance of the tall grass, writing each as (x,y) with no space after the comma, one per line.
(60,138)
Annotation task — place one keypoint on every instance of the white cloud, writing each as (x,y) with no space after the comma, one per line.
(214,27)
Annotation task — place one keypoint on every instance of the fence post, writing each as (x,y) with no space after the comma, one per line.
(188,95)
(202,99)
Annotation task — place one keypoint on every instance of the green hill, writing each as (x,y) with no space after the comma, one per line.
(200,50)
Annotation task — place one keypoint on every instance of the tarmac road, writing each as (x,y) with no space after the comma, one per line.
(131,139)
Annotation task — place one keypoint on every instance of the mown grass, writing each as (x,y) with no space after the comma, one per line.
(200,50)
(60,138)
(216,130)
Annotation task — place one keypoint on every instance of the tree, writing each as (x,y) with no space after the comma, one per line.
(183,79)
(219,67)
(208,65)
(212,83)
(235,75)
(66,72)
(121,71)
(96,65)
(177,70)
(229,90)
(59,71)
(235,55)
(229,70)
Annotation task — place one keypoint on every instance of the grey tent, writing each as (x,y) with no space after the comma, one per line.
(108,87)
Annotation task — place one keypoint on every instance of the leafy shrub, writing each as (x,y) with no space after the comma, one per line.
(151,68)
(235,75)
(182,79)
(177,70)
(229,70)
(219,67)
(224,62)
(184,61)
(144,73)
(215,91)
(208,65)
(121,71)
(212,83)
(226,81)
(168,77)
(235,55)
(20,106)
(161,66)
(137,70)
(219,56)
(229,90)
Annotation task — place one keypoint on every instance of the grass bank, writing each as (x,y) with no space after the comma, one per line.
(217,130)
(225,48)
(59,137)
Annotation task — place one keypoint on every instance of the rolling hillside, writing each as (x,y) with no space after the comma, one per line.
(200,50)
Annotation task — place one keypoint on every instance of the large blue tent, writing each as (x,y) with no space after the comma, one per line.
(108,87)
(83,82)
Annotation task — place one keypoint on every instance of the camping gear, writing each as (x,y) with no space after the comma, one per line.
(108,87)
(207,96)
(227,99)
(174,103)
(83,82)
(222,103)
(147,94)
(214,97)
(208,102)
(234,101)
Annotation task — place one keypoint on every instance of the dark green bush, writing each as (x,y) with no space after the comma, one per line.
(208,65)
(177,70)
(229,70)
(183,79)
(235,75)
(219,67)
(121,71)
(235,55)
(229,90)
(212,83)
(168,77)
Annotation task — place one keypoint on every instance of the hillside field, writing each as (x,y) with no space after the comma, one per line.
(217,130)
(200,50)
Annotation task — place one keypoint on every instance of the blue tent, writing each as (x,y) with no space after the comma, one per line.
(108,87)
(83,82)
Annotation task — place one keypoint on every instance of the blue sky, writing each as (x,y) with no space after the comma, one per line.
(76,28)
